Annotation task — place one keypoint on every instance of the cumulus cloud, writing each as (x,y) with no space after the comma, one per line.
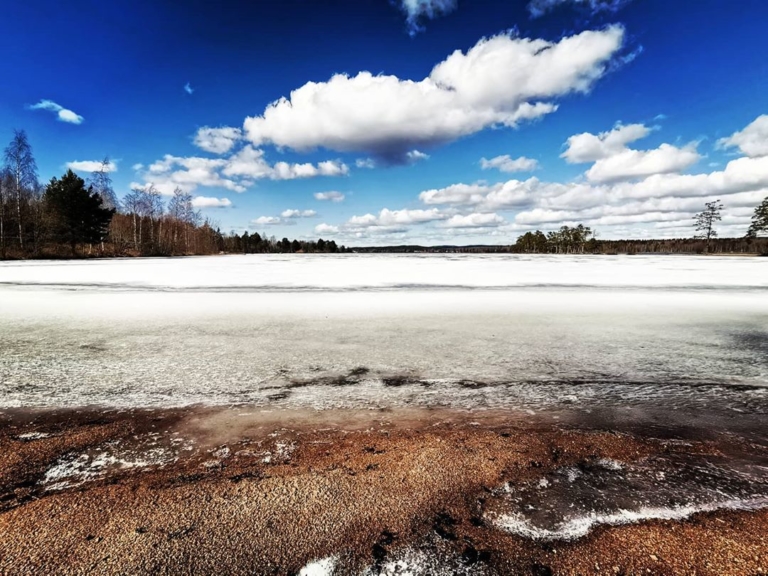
(188,173)
(250,162)
(298,214)
(399,218)
(63,114)
(91,166)
(538,8)
(510,194)
(365,163)
(507,164)
(588,147)
(613,160)
(236,173)
(271,221)
(326,229)
(414,156)
(333,196)
(501,81)
(651,197)
(217,140)
(416,11)
(209,202)
(752,141)
(639,163)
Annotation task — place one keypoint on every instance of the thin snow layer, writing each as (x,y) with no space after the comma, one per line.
(323,567)
(378,331)
(579,527)
(414,562)
(75,469)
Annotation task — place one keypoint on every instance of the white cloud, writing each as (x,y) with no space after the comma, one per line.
(752,141)
(475,220)
(417,10)
(188,88)
(249,162)
(208,202)
(217,140)
(188,173)
(501,81)
(510,194)
(333,196)
(326,229)
(613,160)
(138,166)
(588,147)
(235,173)
(507,164)
(63,114)
(91,166)
(414,156)
(271,221)
(538,8)
(388,218)
(652,198)
(298,214)
(639,163)
(365,163)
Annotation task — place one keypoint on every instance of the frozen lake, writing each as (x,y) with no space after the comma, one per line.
(379,331)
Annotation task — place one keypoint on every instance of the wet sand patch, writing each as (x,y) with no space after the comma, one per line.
(270,492)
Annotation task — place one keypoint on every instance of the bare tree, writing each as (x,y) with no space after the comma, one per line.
(5,187)
(20,162)
(134,205)
(705,221)
(101,182)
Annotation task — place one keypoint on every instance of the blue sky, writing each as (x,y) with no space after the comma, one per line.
(625,115)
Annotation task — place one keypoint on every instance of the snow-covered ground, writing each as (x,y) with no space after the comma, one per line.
(402,271)
(471,331)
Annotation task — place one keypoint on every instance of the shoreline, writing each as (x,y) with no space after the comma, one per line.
(248,491)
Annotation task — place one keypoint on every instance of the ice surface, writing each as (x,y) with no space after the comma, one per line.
(568,503)
(372,331)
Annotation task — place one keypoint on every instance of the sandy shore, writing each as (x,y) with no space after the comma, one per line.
(238,491)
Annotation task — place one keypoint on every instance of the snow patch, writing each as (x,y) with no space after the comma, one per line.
(323,567)
(580,526)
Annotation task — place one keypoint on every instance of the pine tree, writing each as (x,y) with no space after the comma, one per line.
(705,221)
(759,224)
(76,212)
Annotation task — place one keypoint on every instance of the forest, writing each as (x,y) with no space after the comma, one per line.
(71,217)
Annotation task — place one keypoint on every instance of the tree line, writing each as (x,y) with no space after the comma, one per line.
(70,216)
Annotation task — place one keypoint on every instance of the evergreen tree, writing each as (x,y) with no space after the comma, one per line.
(76,212)
(759,224)
(705,221)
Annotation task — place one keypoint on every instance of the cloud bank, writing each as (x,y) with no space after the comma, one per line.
(624,192)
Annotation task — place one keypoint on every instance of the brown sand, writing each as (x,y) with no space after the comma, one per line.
(266,493)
